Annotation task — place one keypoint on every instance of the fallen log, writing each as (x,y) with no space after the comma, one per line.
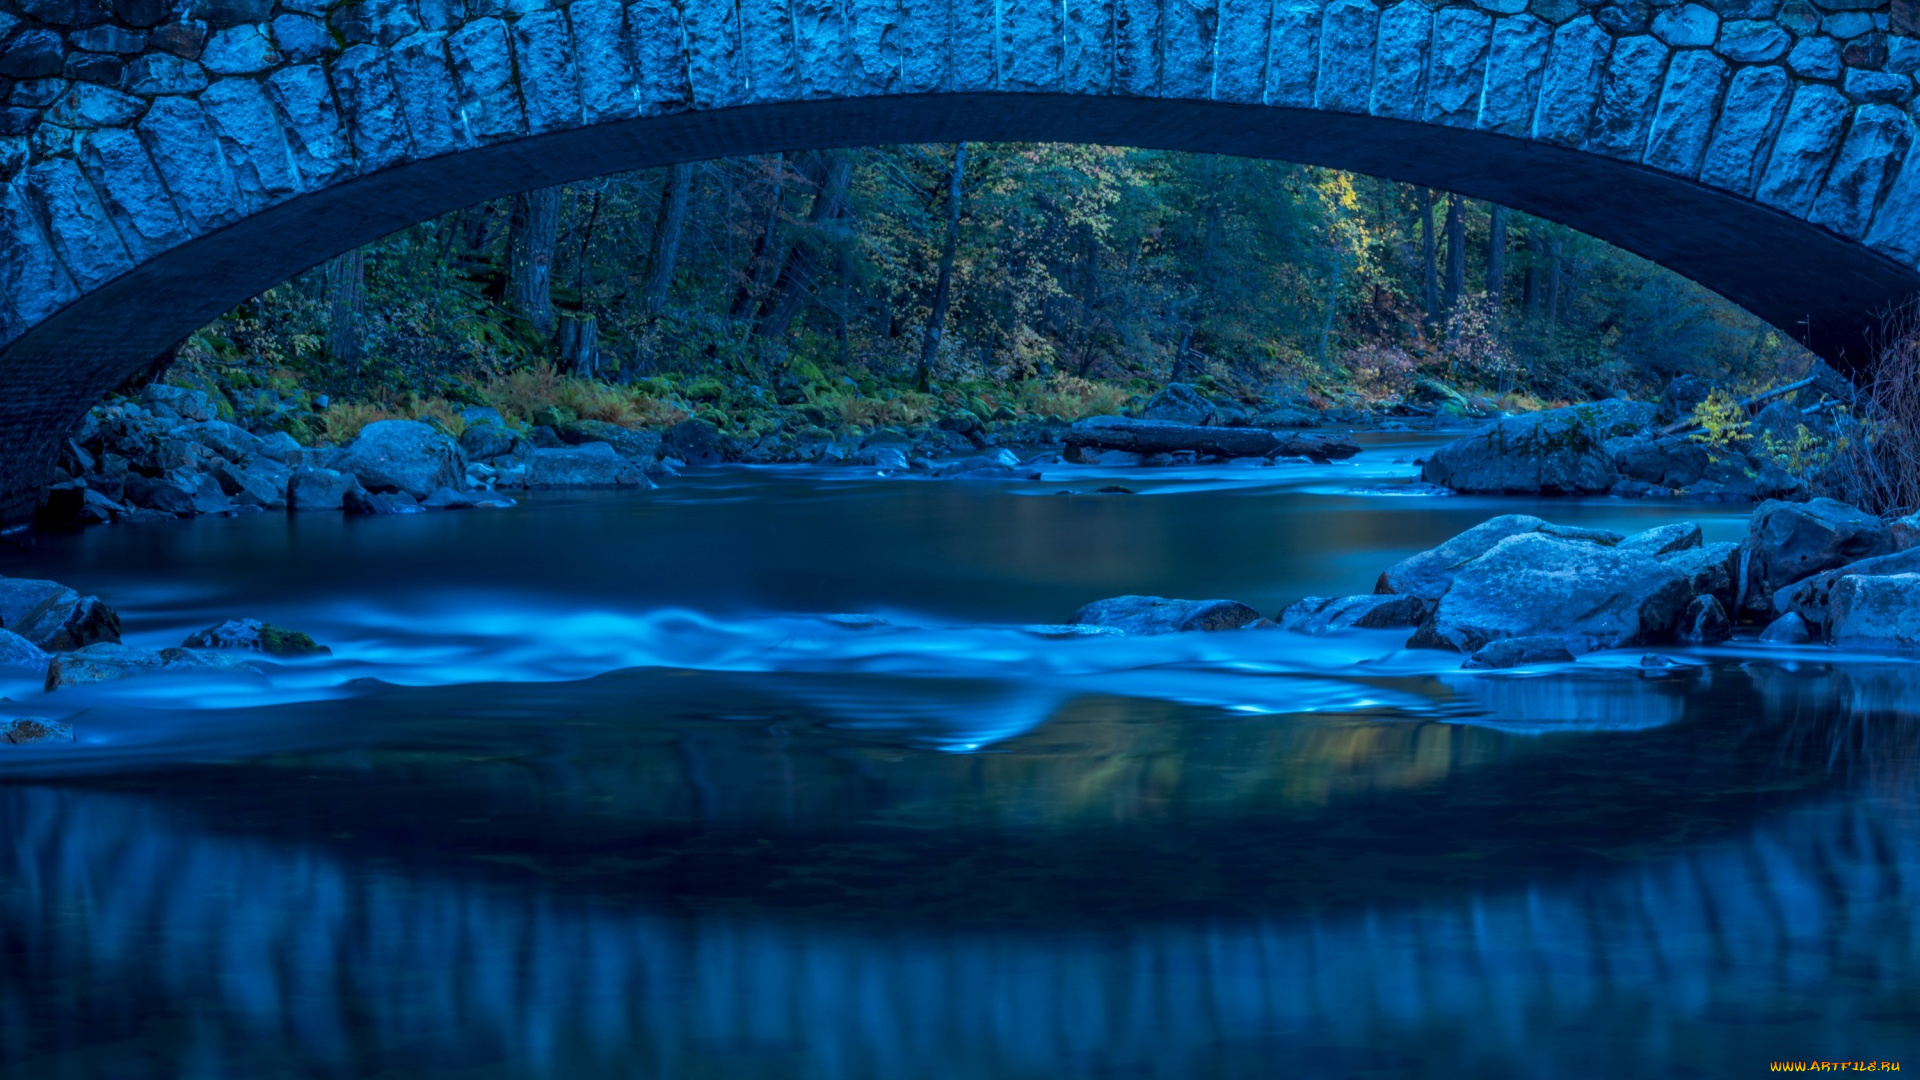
(1159,437)
(1747,403)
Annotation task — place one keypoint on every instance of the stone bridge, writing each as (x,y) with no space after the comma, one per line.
(163,160)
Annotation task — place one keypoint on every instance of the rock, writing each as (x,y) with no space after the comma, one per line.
(169,494)
(1519,652)
(1538,585)
(1663,540)
(1704,622)
(1709,570)
(18,652)
(592,465)
(1672,461)
(1876,612)
(888,458)
(1428,573)
(403,455)
(1558,451)
(319,489)
(482,414)
(857,621)
(1906,531)
(1323,614)
(1285,416)
(1181,403)
(54,617)
(488,440)
(641,445)
(695,442)
(29,730)
(1788,629)
(1811,597)
(1067,631)
(371,504)
(1159,615)
(262,487)
(254,635)
(177,403)
(236,445)
(108,662)
(1150,437)
(1792,541)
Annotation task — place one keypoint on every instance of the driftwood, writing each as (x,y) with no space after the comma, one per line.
(1746,403)
(1158,437)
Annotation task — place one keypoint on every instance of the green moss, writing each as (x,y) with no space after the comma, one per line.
(276,641)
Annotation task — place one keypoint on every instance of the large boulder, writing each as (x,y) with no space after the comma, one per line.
(1160,615)
(1710,570)
(262,484)
(1811,597)
(111,662)
(488,439)
(54,617)
(1663,539)
(1791,541)
(695,442)
(360,503)
(1877,612)
(593,465)
(1326,614)
(1680,398)
(640,445)
(1428,573)
(234,444)
(1537,585)
(404,455)
(177,402)
(1671,461)
(1181,403)
(1555,452)
(311,488)
(18,652)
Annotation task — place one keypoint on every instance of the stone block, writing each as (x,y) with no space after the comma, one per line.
(1684,118)
(160,73)
(1570,83)
(132,191)
(428,96)
(87,106)
(1815,58)
(187,154)
(370,107)
(306,105)
(184,39)
(109,39)
(1870,158)
(1749,41)
(1686,26)
(1295,53)
(301,38)
(33,54)
(1345,80)
(1240,63)
(768,61)
(1518,53)
(483,68)
(1756,100)
(600,48)
(1461,38)
(1628,93)
(30,276)
(239,50)
(661,75)
(83,236)
(1400,64)
(1809,137)
(1882,86)
(252,140)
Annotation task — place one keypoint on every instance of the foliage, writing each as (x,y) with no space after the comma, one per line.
(1723,423)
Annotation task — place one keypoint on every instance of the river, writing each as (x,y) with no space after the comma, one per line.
(596,786)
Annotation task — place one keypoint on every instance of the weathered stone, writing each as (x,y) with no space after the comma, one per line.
(1627,97)
(1682,122)
(1518,53)
(1881,86)
(1704,622)
(313,488)
(97,69)
(487,440)
(403,455)
(135,198)
(1143,615)
(240,50)
(1747,41)
(1461,40)
(30,276)
(599,40)
(35,730)
(1428,574)
(184,39)
(53,617)
(643,445)
(109,39)
(1876,145)
(252,635)
(1400,64)
(1756,100)
(38,93)
(187,154)
(1815,58)
(591,465)
(318,140)
(379,22)
(1180,403)
(1561,451)
(359,503)
(1876,612)
(1671,461)
(1809,137)
(220,13)
(695,442)
(82,234)
(1792,541)
(1570,83)
(370,106)
(1847,24)
(1788,629)
(31,54)
(1811,596)
(1347,30)
(1686,26)
(1663,540)
(251,140)
(111,662)
(301,38)
(142,12)
(549,83)
(1625,17)
(1518,652)
(1536,585)
(427,94)
(1325,614)
(1295,53)
(158,73)
(483,64)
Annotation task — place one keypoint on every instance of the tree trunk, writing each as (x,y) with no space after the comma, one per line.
(755,272)
(534,230)
(1536,286)
(1553,283)
(579,337)
(943,284)
(667,229)
(798,275)
(346,304)
(1497,258)
(1456,252)
(1429,264)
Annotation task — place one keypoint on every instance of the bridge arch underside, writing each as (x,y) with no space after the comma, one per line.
(1824,289)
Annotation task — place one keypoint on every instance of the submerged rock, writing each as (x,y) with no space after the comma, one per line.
(403,455)
(257,636)
(111,662)
(1538,585)
(1066,631)
(1325,614)
(1788,629)
(1142,615)
(29,730)
(1519,652)
(1879,612)
(374,503)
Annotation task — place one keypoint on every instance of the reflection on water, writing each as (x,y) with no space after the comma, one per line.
(581,795)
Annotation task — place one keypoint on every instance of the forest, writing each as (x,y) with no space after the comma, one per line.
(904,270)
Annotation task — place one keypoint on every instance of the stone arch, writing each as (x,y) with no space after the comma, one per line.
(162,164)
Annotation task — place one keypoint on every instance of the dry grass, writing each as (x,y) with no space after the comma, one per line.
(1069,398)
(520,394)
(341,424)
(1877,451)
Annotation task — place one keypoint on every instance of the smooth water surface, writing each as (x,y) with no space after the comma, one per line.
(596,787)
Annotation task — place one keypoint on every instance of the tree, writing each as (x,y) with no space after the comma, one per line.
(807,256)
(346,304)
(1456,252)
(943,284)
(1497,258)
(1429,268)
(533,231)
(663,252)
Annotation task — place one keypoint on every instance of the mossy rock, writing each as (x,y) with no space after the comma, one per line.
(257,636)
(706,388)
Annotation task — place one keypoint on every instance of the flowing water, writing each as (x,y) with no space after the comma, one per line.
(598,786)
